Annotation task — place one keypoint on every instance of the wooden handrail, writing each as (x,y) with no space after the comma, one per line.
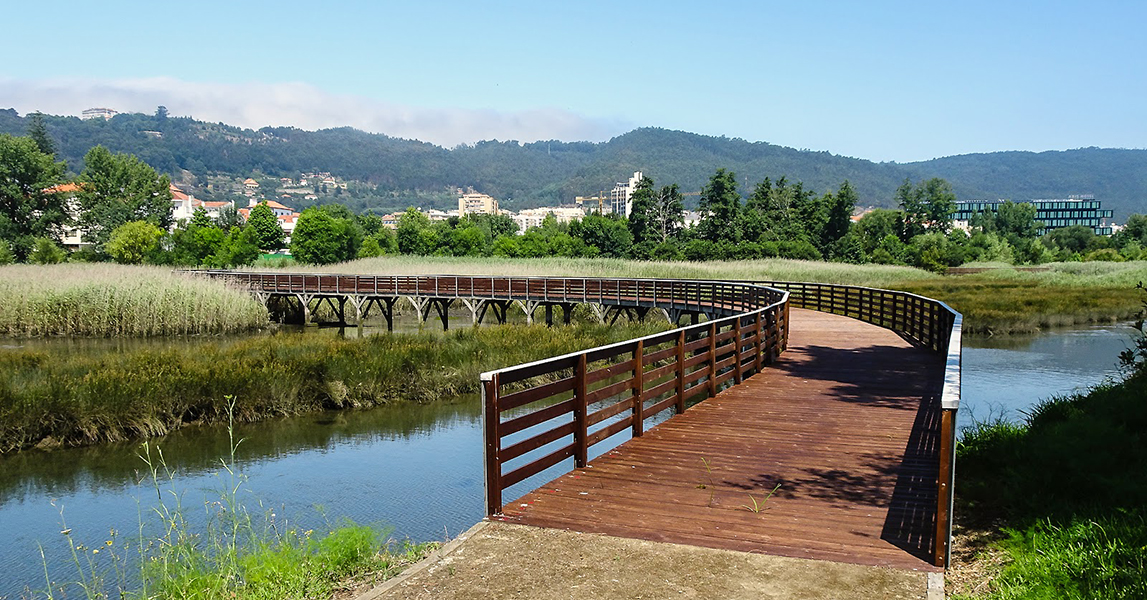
(749,330)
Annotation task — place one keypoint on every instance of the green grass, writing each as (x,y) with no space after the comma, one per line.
(1068,487)
(71,398)
(117,300)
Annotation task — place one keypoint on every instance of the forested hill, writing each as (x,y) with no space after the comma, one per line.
(549,172)
(1117,177)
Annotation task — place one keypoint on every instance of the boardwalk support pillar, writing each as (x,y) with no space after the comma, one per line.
(305,306)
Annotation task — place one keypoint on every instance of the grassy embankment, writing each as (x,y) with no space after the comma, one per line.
(1001,300)
(49,399)
(233,556)
(114,300)
(1068,487)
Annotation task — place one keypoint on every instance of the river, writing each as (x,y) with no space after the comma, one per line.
(415,468)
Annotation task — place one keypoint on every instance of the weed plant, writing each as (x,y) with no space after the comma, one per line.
(119,300)
(233,556)
(51,399)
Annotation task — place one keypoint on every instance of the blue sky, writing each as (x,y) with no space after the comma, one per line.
(884,81)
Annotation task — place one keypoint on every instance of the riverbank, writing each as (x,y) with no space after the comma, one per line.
(74,398)
(105,300)
(997,301)
(1054,506)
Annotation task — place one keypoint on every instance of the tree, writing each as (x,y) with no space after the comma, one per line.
(720,204)
(132,242)
(161,113)
(119,188)
(46,252)
(267,233)
(320,239)
(239,248)
(640,219)
(228,218)
(30,205)
(876,225)
(608,234)
(411,232)
(38,131)
(1016,220)
(657,215)
(928,206)
(839,214)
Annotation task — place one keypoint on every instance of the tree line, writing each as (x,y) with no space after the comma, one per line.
(123,206)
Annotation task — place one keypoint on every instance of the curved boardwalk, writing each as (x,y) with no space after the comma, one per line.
(846,421)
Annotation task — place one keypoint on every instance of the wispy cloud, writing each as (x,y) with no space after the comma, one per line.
(300,105)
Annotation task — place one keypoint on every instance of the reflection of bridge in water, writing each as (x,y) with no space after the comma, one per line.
(851,429)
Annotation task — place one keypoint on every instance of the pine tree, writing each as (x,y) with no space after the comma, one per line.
(38,131)
(719,207)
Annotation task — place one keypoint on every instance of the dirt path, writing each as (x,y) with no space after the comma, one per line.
(501,561)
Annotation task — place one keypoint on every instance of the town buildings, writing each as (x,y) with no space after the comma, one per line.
(98,113)
(1053,213)
(620,196)
(474,203)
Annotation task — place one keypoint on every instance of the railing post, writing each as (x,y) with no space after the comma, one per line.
(638,388)
(581,433)
(712,359)
(681,371)
(738,376)
(757,344)
(944,487)
(490,426)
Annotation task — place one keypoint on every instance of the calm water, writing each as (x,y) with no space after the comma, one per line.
(416,468)
(1004,376)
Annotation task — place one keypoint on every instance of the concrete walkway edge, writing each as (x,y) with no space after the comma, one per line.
(423,564)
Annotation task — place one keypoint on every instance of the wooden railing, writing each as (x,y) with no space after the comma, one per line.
(928,323)
(541,413)
(711,297)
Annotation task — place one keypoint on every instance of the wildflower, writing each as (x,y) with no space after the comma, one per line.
(95,551)
(67,531)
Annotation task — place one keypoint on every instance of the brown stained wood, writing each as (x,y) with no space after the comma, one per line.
(533,394)
(845,421)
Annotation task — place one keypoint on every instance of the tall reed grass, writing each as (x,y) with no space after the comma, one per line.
(119,300)
(49,399)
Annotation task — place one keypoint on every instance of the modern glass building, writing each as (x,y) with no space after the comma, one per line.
(1053,213)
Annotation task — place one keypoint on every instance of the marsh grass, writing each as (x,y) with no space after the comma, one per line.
(1068,487)
(119,300)
(999,301)
(234,555)
(74,398)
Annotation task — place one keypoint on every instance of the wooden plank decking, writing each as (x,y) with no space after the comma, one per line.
(846,422)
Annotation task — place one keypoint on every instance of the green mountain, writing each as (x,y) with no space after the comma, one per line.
(396,171)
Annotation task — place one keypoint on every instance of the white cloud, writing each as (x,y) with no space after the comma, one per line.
(256,105)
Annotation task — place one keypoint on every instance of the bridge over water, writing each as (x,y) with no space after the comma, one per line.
(807,420)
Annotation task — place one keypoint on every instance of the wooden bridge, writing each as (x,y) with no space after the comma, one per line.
(841,448)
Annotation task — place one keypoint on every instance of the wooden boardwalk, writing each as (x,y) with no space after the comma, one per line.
(846,422)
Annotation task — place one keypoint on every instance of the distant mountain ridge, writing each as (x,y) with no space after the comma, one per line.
(549,172)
